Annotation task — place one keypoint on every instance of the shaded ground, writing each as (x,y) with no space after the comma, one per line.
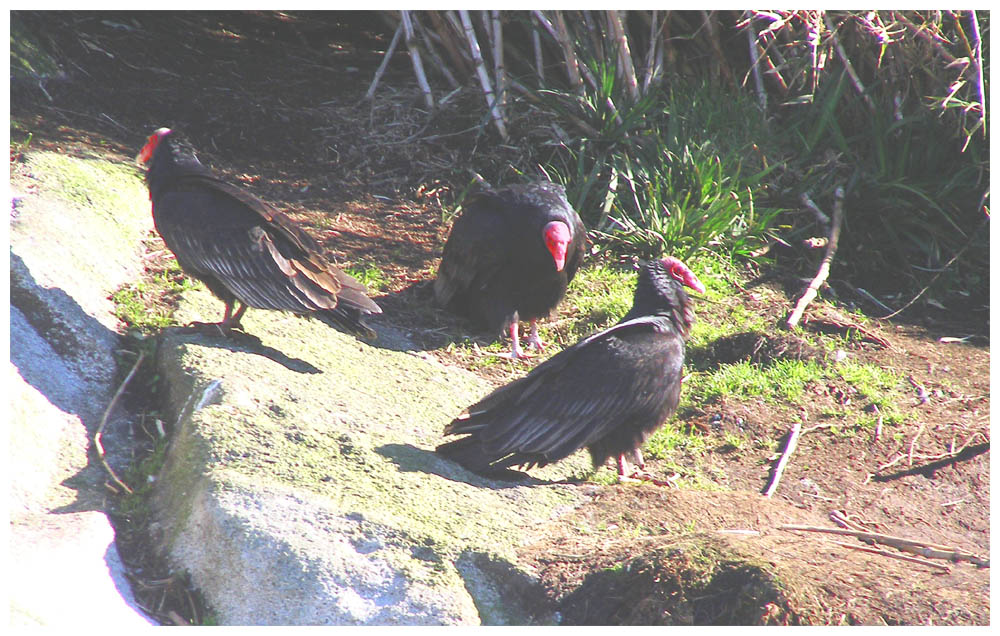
(274,101)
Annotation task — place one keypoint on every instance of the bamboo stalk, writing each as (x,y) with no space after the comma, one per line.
(484,80)
(418,66)
(499,72)
(647,72)
(432,52)
(713,40)
(445,31)
(978,61)
(624,53)
(385,61)
(536,41)
(594,34)
(755,65)
(561,36)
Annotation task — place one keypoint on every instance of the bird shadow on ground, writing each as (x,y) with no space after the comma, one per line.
(421,323)
(410,459)
(243,342)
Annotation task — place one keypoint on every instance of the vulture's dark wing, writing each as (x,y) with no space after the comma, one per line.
(225,233)
(577,396)
(476,251)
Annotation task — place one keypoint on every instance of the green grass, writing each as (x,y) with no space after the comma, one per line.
(671,439)
(673,172)
(146,305)
(599,296)
(785,380)
(369,275)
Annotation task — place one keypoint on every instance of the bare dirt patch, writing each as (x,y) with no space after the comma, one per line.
(274,101)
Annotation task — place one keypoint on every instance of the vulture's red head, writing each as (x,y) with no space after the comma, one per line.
(557,237)
(682,274)
(154,140)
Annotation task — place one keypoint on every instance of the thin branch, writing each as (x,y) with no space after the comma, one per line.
(104,422)
(842,54)
(385,61)
(824,267)
(793,440)
(922,548)
(893,555)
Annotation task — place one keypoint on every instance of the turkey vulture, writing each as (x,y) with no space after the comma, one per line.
(608,392)
(510,257)
(244,250)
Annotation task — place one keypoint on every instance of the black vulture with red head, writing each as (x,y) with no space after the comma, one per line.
(608,393)
(246,252)
(509,257)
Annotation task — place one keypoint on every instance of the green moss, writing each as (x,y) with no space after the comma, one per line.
(90,182)
(356,433)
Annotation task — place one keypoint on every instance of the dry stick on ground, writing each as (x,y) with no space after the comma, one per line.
(104,422)
(923,548)
(793,439)
(385,61)
(824,266)
(418,66)
(893,555)
(484,79)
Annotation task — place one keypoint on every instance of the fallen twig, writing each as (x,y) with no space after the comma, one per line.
(921,391)
(104,421)
(824,266)
(847,326)
(922,548)
(893,555)
(793,439)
